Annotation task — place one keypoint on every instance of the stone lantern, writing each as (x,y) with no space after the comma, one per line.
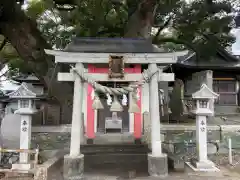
(202,99)
(26,96)
(202,110)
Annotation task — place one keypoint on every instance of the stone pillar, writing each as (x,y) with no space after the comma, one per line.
(202,163)
(74,162)
(154,112)
(202,99)
(201,138)
(25,137)
(157,161)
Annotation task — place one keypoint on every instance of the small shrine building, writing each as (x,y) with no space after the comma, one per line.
(132,57)
(114,63)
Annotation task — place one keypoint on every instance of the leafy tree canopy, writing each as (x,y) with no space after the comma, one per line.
(201,25)
(177,24)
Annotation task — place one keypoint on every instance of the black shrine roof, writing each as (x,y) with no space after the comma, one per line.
(112,45)
(220,61)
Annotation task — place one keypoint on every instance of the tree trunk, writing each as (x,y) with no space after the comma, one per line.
(23,34)
(141,20)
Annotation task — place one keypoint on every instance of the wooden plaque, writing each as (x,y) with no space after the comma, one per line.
(116,67)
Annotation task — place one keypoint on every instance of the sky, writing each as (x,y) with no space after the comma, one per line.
(236,45)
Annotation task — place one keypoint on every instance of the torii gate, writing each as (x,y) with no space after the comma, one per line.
(157,160)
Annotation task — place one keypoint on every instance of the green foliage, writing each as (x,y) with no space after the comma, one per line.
(17,65)
(9,54)
(172,47)
(188,23)
(50,22)
(198,19)
(96,18)
(36,8)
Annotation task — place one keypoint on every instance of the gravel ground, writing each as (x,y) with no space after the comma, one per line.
(174,176)
(228,172)
(14,176)
(222,160)
(224,175)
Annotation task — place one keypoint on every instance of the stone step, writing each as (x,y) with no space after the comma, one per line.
(121,157)
(124,162)
(114,138)
(115,158)
(117,148)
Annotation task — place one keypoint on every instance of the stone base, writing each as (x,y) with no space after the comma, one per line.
(206,166)
(158,165)
(73,167)
(22,167)
(175,163)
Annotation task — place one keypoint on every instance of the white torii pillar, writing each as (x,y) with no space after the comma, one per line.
(154,113)
(76,116)
(74,162)
(157,161)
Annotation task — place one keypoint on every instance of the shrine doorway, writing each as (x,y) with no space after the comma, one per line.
(95,119)
(113,122)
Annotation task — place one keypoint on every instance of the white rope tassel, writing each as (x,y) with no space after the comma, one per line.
(97,104)
(92,94)
(124,100)
(109,100)
(116,106)
(161,92)
(133,107)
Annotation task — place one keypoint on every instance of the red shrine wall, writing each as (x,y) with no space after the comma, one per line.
(90,133)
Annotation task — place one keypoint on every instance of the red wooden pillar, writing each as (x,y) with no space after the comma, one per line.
(138,116)
(90,111)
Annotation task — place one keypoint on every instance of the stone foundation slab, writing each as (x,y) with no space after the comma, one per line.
(158,165)
(23,167)
(73,167)
(202,166)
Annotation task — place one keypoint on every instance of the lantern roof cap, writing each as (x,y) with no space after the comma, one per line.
(25,90)
(205,93)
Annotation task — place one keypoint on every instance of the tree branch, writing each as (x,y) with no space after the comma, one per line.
(221,50)
(25,37)
(176,41)
(141,19)
(161,28)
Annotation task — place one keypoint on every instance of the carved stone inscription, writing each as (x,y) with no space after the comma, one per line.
(116,67)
